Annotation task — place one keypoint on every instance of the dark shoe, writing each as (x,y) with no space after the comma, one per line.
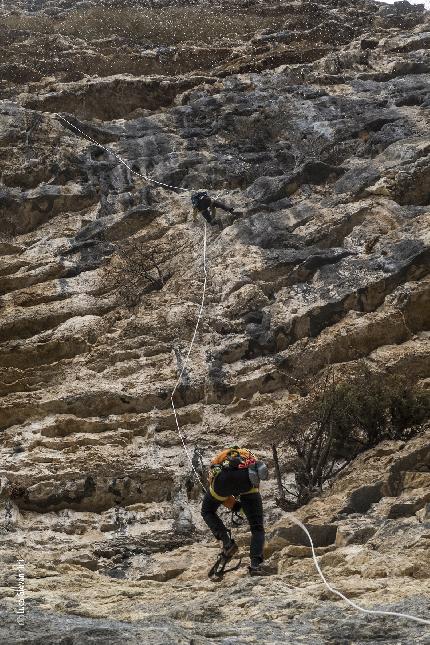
(255,570)
(230,549)
(258,569)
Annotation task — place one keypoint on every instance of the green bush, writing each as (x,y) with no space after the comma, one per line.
(409,409)
(344,420)
(371,408)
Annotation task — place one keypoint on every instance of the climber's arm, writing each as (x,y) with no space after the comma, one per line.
(216,204)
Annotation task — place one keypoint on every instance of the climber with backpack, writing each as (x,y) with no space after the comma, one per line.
(207,206)
(235,472)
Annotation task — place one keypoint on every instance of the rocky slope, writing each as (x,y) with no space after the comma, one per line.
(312,120)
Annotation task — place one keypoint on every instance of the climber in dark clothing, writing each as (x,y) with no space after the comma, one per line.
(207,206)
(236,472)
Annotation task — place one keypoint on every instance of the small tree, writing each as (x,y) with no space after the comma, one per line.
(344,420)
(137,268)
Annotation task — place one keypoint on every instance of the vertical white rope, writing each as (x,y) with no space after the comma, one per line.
(199,314)
(187,358)
(159,183)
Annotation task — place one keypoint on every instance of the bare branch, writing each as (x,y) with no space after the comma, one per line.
(139,267)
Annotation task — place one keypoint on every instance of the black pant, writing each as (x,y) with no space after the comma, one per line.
(207,214)
(234,483)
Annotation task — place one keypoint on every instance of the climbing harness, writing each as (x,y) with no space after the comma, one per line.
(219,568)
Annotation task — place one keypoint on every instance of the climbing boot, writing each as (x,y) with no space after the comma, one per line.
(230,549)
(258,569)
(255,570)
(219,568)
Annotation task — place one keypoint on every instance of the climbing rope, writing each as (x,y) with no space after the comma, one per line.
(340,594)
(292,517)
(120,159)
(185,363)
(160,183)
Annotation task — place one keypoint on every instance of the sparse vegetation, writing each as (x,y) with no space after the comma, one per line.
(137,268)
(8,231)
(160,26)
(344,420)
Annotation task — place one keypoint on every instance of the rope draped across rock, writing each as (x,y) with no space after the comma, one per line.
(379,612)
(292,517)
(120,159)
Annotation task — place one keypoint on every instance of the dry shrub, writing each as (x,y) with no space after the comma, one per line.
(8,230)
(161,26)
(138,268)
(36,23)
(344,420)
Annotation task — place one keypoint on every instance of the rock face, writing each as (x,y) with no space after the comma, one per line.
(312,121)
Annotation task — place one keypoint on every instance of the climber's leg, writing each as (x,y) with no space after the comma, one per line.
(216,525)
(252,506)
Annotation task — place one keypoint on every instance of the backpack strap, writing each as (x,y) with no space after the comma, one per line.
(228,501)
(215,495)
(255,489)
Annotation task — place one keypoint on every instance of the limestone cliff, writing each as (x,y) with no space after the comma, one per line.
(312,121)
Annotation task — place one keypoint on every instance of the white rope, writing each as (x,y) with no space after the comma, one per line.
(340,594)
(120,159)
(294,519)
(185,363)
